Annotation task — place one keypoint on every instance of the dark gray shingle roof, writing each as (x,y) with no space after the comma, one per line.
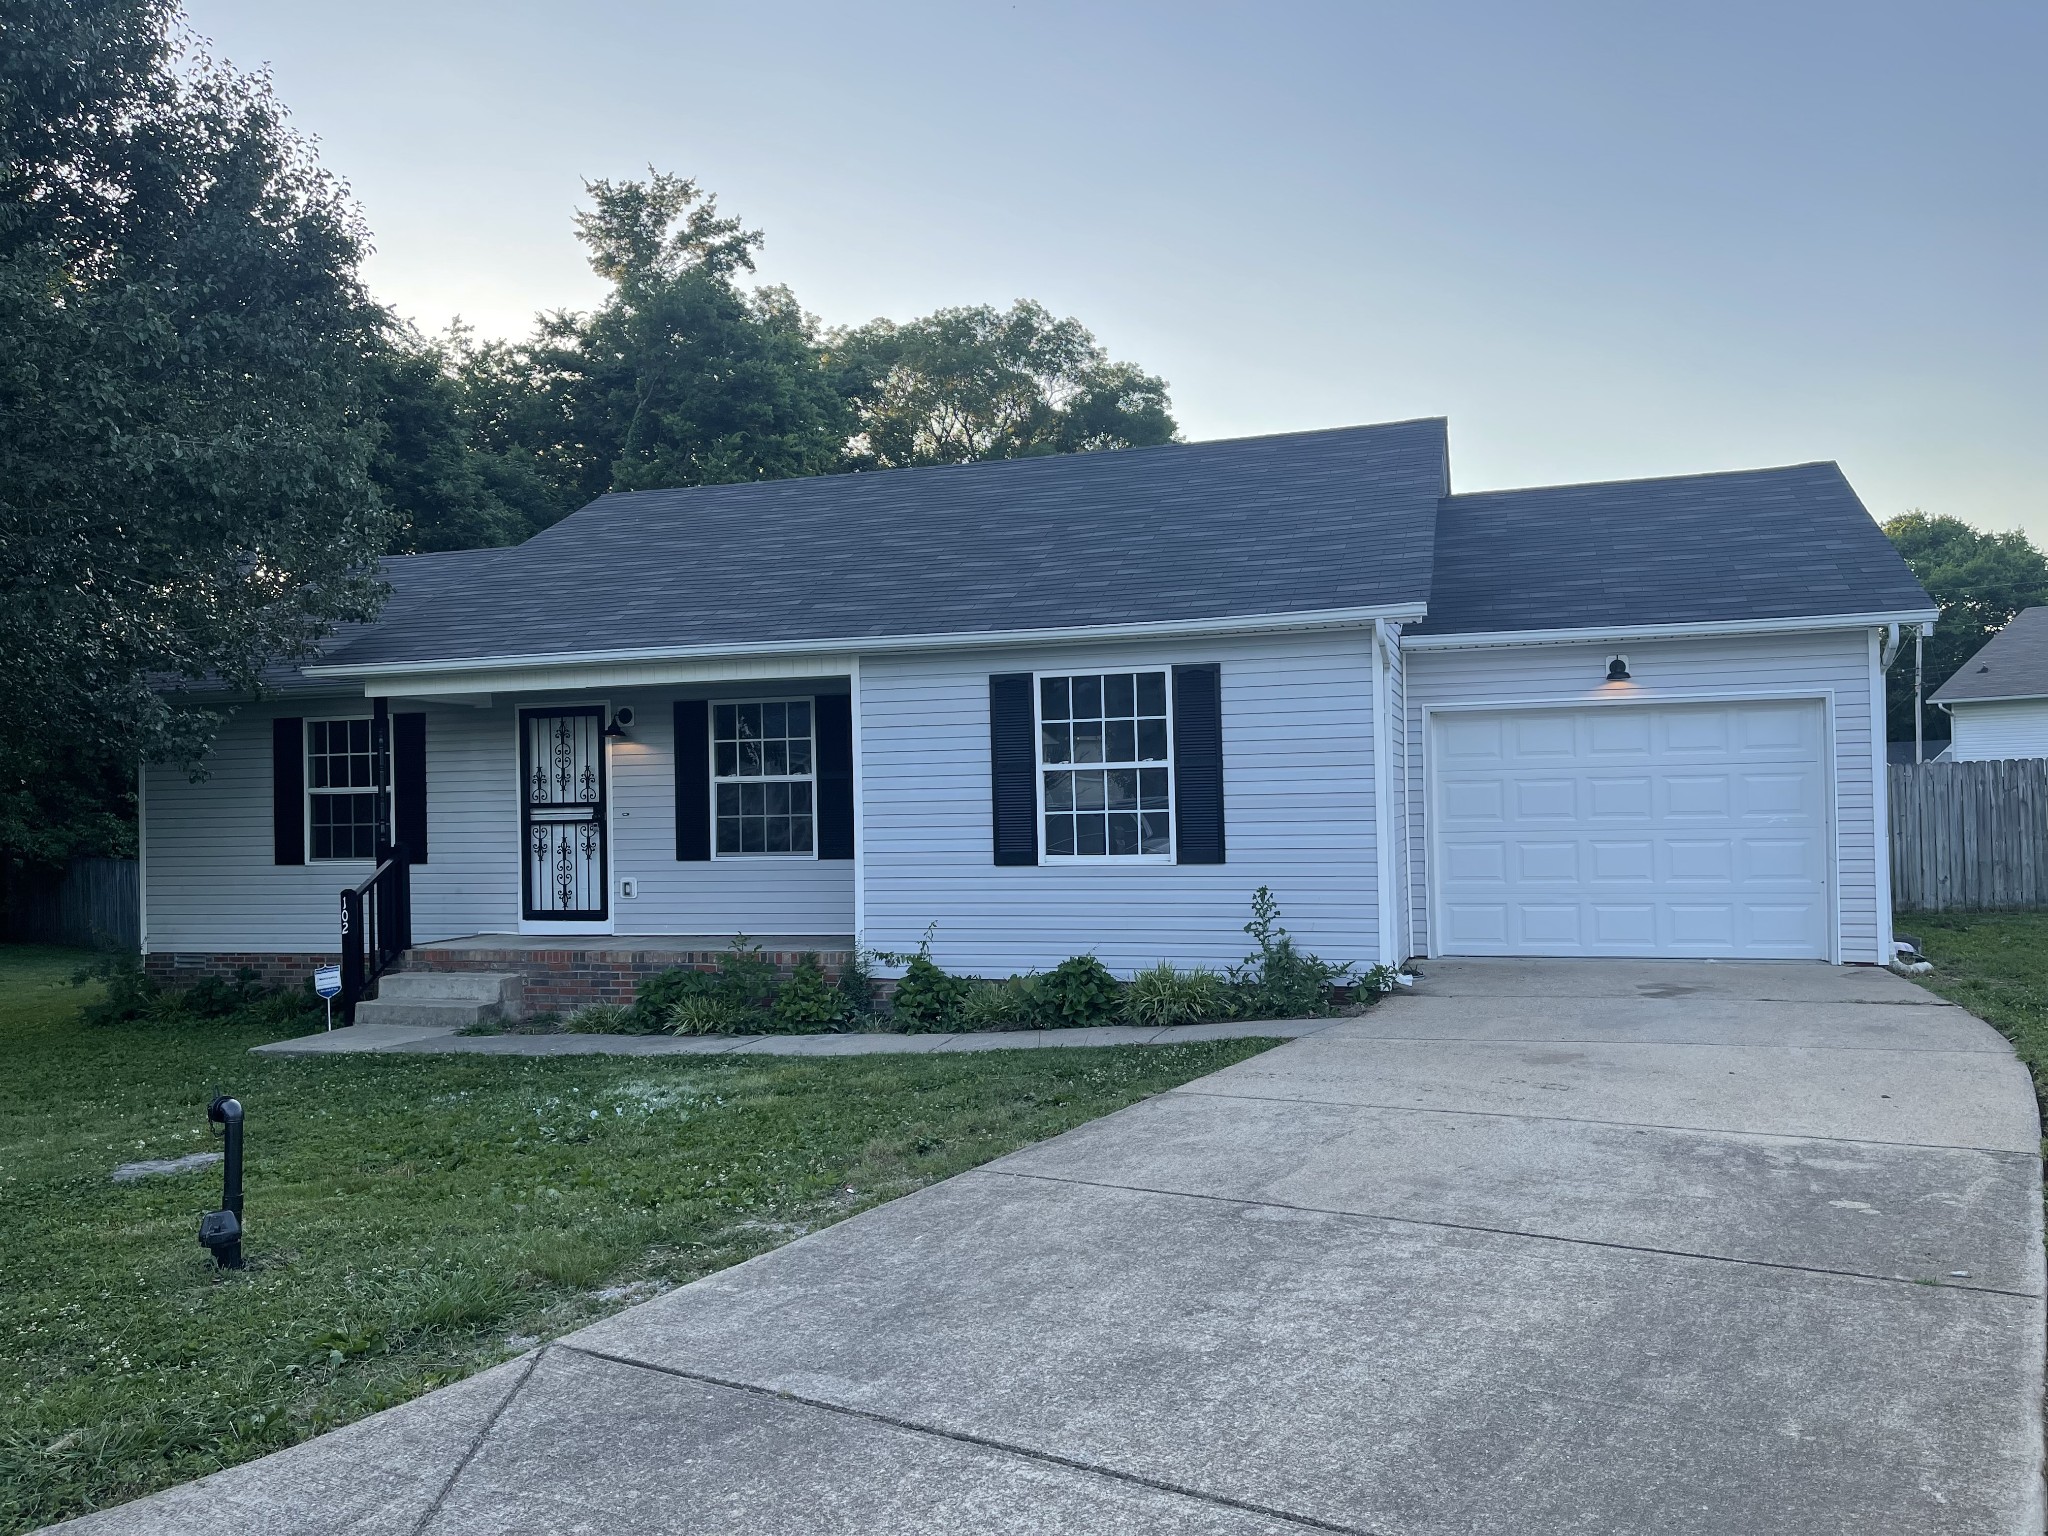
(1295,523)
(2012,665)
(1752,544)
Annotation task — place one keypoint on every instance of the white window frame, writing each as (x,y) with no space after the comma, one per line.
(310,793)
(1041,768)
(811,778)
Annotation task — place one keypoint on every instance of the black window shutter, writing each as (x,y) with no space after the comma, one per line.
(693,780)
(834,715)
(1198,764)
(288,790)
(409,784)
(1013,768)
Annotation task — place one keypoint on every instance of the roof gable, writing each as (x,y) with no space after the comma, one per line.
(2012,665)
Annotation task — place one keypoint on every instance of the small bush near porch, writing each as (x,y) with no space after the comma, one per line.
(1996,965)
(414,1218)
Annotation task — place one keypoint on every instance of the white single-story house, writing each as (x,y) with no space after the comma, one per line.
(1088,703)
(1997,702)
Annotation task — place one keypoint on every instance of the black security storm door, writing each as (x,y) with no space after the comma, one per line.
(562,816)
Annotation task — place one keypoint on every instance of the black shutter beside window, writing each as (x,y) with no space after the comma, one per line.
(409,784)
(833,713)
(288,790)
(693,780)
(1013,768)
(1198,764)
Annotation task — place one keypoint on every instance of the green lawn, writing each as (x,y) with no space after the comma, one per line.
(1996,965)
(414,1218)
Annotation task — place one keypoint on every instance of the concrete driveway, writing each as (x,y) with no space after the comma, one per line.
(1556,1246)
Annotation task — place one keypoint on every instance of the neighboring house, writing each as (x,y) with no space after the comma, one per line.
(1997,701)
(1092,703)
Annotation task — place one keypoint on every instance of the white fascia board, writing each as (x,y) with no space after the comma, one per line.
(1329,618)
(1604,633)
(2003,698)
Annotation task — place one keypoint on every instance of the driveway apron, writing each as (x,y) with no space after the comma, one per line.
(1564,1246)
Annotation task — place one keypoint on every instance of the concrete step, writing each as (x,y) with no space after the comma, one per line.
(500,987)
(438,1013)
(441,999)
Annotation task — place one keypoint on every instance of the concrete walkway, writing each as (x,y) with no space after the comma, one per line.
(383,1038)
(1547,1247)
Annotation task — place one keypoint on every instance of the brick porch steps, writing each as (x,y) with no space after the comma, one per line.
(561,975)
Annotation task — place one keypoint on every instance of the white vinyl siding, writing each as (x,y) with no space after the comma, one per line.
(2005,729)
(212,888)
(1298,814)
(1834,665)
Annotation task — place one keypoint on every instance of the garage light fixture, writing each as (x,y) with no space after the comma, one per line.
(616,731)
(1617,669)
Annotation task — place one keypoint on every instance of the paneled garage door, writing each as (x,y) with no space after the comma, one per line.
(1632,829)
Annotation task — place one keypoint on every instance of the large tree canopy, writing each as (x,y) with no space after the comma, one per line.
(1979,580)
(982,383)
(184,486)
(684,376)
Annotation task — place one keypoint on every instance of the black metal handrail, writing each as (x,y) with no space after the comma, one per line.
(376,928)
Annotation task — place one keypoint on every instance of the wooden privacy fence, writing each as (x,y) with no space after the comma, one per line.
(1969,836)
(94,902)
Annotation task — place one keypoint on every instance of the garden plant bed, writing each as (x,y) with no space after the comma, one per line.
(412,1219)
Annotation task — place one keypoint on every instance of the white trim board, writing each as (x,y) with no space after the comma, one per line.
(1608,632)
(436,675)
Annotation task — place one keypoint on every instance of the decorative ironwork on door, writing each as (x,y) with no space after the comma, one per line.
(562,819)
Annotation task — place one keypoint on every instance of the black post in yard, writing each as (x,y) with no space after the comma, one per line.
(353,978)
(220,1232)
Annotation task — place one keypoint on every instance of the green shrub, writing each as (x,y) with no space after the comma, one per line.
(744,979)
(1162,996)
(710,1014)
(1281,981)
(658,994)
(132,998)
(1076,993)
(857,985)
(927,1000)
(807,1003)
(1009,1004)
(597,1019)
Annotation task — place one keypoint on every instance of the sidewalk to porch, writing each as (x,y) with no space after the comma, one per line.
(382,1039)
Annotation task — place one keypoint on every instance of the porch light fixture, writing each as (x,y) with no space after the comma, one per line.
(616,731)
(1617,669)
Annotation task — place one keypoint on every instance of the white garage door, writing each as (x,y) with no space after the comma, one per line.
(1632,829)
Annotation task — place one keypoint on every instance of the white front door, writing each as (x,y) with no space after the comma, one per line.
(1632,829)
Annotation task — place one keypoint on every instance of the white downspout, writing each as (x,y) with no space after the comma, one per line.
(1382,801)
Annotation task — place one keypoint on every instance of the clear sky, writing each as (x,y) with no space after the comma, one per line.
(1606,240)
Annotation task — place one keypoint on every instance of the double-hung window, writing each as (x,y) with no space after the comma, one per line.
(1106,780)
(764,773)
(341,778)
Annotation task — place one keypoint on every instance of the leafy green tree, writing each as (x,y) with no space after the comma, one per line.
(184,445)
(681,377)
(447,487)
(962,385)
(1979,580)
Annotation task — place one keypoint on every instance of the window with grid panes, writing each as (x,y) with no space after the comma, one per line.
(341,795)
(764,771)
(1103,765)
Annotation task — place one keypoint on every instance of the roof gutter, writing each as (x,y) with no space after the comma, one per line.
(1924,617)
(2001,698)
(1326,618)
